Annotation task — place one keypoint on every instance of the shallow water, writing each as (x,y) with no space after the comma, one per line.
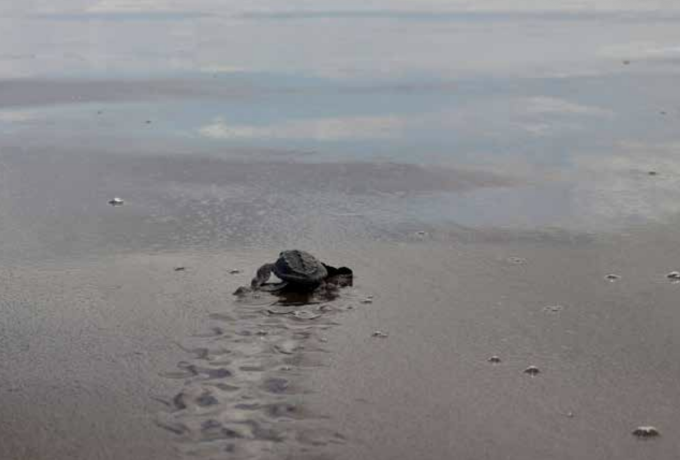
(473,164)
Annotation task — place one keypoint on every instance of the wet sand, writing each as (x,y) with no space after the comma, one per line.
(482,200)
(110,352)
(606,351)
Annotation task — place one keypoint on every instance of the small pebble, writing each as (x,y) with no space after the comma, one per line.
(323,340)
(612,277)
(380,334)
(570,414)
(261,333)
(674,276)
(287,347)
(553,308)
(367,301)
(235,271)
(494,359)
(180,269)
(652,173)
(532,370)
(305,315)
(421,233)
(646,432)
(148,122)
(115,201)
(516,260)
(626,62)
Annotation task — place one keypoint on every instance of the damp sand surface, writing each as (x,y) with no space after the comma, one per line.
(510,217)
(112,352)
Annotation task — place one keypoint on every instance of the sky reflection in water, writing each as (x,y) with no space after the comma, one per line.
(575,104)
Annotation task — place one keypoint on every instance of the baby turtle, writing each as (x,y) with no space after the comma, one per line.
(115,201)
(295,267)
(301,271)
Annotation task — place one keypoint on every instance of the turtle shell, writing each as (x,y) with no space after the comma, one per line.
(299,267)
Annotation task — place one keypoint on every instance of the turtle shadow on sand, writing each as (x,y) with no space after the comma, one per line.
(325,292)
(303,280)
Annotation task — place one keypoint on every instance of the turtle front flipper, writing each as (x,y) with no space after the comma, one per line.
(262,276)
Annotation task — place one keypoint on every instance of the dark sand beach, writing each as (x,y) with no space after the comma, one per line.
(502,180)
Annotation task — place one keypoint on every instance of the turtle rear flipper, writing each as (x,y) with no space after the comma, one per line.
(335,271)
(339,276)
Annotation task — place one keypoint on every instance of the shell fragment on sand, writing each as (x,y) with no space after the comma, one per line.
(646,432)
(532,370)
(674,276)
